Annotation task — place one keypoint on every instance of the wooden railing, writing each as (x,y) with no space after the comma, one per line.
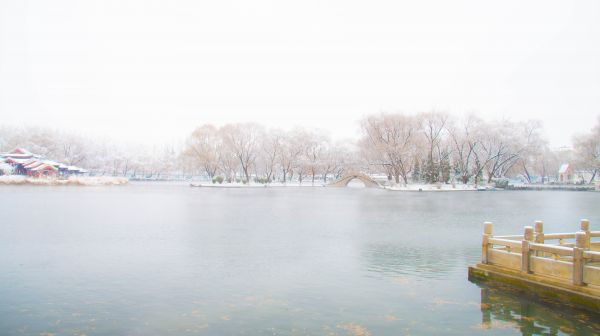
(531,253)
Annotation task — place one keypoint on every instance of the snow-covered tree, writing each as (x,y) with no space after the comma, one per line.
(243,140)
(392,140)
(203,147)
(587,149)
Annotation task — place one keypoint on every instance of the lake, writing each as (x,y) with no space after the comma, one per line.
(167,259)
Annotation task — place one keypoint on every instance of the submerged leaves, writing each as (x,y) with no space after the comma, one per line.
(354,329)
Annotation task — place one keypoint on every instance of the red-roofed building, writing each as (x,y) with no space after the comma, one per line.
(24,162)
(43,169)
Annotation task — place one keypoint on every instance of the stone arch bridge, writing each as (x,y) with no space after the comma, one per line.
(364,178)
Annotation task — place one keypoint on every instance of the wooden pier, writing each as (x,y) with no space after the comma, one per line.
(564,267)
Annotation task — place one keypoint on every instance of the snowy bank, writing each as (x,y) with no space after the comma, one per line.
(73,180)
(256,185)
(432,187)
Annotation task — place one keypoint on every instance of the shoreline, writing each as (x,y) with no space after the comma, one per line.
(543,187)
(437,188)
(254,186)
(13,180)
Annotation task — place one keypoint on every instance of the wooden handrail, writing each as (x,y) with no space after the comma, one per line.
(554,249)
(591,255)
(551,235)
(559,235)
(516,244)
(519,237)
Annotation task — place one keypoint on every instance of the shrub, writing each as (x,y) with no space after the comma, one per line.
(218,179)
(261,180)
(501,183)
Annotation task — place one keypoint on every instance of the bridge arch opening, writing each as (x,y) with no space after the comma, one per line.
(356,183)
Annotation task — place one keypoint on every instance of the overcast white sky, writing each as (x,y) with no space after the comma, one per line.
(152,70)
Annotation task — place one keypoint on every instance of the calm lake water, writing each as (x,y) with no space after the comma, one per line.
(156,259)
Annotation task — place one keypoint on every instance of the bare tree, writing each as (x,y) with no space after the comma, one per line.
(314,150)
(203,147)
(229,164)
(506,145)
(392,138)
(291,153)
(270,152)
(335,160)
(587,149)
(464,142)
(243,140)
(433,128)
(532,156)
(74,150)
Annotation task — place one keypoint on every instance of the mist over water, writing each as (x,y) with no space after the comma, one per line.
(172,260)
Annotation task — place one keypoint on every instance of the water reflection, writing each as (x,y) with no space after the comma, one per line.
(394,259)
(503,308)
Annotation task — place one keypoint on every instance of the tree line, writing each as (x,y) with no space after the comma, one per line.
(247,151)
(431,147)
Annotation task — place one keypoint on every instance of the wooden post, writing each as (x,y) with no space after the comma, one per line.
(528,234)
(578,262)
(487,233)
(487,228)
(585,227)
(525,252)
(539,232)
(539,235)
(525,256)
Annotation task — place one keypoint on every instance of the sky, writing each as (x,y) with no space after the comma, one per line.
(150,71)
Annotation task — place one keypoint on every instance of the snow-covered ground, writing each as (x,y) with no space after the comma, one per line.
(432,187)
(73,180)
(399,187)
(256,185)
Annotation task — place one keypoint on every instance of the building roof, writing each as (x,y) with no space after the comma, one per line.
(35,162)
(19,153)
(32,164)
(44,166)
(563,168)
(16,160)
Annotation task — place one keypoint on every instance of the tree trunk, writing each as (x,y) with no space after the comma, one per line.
(593,176)
(247,175)
(527,173)
(490,176)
